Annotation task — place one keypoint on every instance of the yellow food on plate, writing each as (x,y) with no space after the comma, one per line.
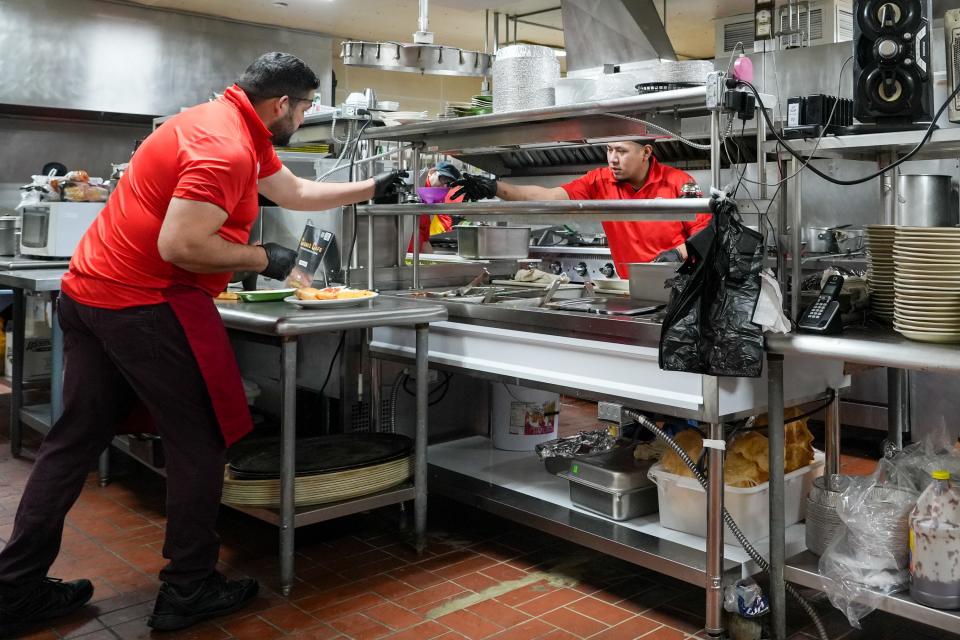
(343,294)
(307,293)
(228,295)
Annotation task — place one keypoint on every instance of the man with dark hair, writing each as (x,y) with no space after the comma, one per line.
(141,332)
(631,173)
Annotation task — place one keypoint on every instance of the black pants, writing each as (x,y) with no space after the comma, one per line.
(112,358)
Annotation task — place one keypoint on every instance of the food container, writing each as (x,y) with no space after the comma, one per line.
(8,235)
(612,484)
(647,280)
(485,243)
(683,502)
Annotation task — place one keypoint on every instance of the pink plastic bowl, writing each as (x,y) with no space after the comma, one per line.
(432,195)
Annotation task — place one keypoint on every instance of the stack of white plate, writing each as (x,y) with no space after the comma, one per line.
(880,239)
(404,117)
(927,283)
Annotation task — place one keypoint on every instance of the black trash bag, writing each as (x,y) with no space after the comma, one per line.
(709,325)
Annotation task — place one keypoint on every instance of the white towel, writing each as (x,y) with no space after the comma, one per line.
(769,311)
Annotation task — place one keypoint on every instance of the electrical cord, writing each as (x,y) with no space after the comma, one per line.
(823,131)
(728,519)
(443,387)
(829,178)
(656,127)
(333,361)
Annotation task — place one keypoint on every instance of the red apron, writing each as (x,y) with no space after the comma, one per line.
(211,347)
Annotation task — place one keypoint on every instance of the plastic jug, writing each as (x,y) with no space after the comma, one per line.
(935,545)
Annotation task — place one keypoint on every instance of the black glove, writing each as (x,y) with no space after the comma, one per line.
(388,183)
(474,188)
(280,261)
(670,255)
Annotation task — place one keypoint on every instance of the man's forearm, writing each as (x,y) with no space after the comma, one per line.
(507,191)
(216,255)
(318,196)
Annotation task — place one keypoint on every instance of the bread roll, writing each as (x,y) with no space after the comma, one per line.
(307,293)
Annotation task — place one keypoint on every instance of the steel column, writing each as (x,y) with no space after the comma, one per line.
(715,150)
(288,448)
(778,614)
(415,174)
(795,227)
(714,573)
(898,406)
(16,391)
(888,189)
(832,436)
(420,443)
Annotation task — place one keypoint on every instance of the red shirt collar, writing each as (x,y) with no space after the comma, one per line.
(654,175)
(238,98)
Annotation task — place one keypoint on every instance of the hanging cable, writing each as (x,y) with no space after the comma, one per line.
(656,127)
(827,177)
(727,518)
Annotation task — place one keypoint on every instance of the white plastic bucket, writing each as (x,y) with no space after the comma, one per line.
(522,418)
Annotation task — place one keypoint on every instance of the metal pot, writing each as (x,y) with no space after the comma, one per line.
(850,240)
(8,235)
(925,201)
(820,240)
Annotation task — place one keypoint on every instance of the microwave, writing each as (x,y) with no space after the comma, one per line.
(53,229)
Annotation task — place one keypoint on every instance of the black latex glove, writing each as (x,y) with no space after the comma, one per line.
(670,255)
(280,261)
(388,183)
(474,188)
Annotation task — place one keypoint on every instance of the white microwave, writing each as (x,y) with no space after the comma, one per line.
(53,229)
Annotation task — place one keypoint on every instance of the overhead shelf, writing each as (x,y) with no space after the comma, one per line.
(657,209)
(868,146)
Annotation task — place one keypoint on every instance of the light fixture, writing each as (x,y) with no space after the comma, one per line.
(422,56)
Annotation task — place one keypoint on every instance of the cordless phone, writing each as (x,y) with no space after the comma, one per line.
(823,316)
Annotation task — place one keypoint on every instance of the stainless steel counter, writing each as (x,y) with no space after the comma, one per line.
(8,263)
(284,319)
(33,279)
(880,347)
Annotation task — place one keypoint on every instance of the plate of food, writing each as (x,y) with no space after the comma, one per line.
(311,298)
(264,295)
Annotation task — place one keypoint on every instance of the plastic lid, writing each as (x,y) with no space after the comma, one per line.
(941,474)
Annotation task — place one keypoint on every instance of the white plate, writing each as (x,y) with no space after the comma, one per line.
(329,304)
(921,336)
(940,245)
(928,271)
(922,259)
(919,298)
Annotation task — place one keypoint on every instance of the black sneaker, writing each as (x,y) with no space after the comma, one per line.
(215,596)
(52,598)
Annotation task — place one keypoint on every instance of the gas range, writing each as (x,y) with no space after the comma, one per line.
(576,262)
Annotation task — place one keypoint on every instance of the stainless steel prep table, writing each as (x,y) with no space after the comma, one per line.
(877,347)
(40,417)
(285,323)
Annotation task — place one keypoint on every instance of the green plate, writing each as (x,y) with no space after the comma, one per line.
(264,296)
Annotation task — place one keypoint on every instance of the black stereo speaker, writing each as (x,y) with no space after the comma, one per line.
(892,78)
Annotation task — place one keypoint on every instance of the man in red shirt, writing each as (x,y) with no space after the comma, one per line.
(631,172)
(141,331)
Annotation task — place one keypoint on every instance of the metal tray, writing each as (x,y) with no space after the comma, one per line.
(493,242)
(612,484)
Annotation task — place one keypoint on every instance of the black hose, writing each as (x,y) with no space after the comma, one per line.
(727,518)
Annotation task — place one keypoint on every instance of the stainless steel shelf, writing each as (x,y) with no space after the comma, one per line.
(943,143)
(37,417)
(802,569)
(301,156)
(880,347)
(320,513)
(598,533)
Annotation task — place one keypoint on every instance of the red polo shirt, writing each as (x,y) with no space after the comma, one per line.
(214,152)
(630,240)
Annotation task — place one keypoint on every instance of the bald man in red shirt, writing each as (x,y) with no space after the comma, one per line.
(631,173)
(141,331)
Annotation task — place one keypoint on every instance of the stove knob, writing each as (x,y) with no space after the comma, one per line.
(581,269)
(556,267)
(607,270)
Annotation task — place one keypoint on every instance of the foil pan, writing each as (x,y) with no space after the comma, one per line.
(584,443)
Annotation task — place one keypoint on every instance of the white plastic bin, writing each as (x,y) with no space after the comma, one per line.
(523,418)
(683,502)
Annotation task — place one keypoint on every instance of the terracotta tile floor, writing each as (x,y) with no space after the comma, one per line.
(480,577)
